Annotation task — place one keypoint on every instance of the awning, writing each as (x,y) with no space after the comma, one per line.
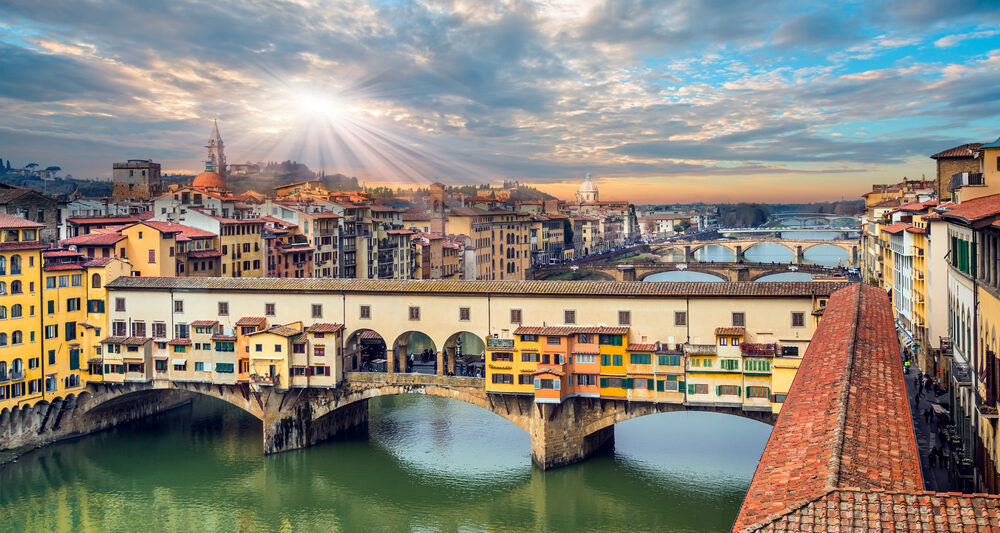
(160,357)
(179,362)
(938,410)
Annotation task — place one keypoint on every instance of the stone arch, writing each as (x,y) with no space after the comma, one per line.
(646,274)
(463,354)
(365,351)
(834,244)
(106,398)
(415,351)
(628,412)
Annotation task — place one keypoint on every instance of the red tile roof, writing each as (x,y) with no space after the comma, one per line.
(204,323)
(13,222)
(845,425)
(104,238)
(60,253)
(202,254)
(974,210)
(251,321)
(733,330)
(102,220)
(569,330)
(324,327)
(965,150)
(179,342)
(31,245)
(62,266)
(641,347)
(891,202)
(223,337)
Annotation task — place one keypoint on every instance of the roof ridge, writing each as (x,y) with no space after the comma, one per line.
(773,517)
(833,476)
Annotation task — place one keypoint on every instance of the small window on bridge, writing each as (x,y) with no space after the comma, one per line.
(569,317)
(414,313)
(464,313)
(739,320)
(624,318)
(515,317)
(680,318)
(798,319)
(366,311)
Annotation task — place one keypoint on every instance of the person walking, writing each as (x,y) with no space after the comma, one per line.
(927,415)
(932,457)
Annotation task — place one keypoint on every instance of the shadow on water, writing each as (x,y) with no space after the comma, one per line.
(430,464)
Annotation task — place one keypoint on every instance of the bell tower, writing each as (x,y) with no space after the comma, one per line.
(216,161)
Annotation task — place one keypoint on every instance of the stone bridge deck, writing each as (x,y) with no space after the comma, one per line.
(734,272)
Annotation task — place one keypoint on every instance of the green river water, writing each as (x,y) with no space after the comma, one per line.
(429,464)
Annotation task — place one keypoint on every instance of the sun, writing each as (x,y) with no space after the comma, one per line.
(317,105)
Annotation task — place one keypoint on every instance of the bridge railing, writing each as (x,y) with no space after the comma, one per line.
(413,379)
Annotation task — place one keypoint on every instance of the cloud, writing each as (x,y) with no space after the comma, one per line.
(955,38)
(817,29)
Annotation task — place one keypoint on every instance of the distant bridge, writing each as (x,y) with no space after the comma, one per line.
(840,233)
(739,247)
(640,271)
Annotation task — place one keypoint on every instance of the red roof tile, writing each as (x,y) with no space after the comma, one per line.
(13,222)
(733,330)
(179,342)
(324,327)
(570,330)
(93,239)
(974,210)
(965,150)
(641,347)
(251,321)
(204,323)
(203,254)
(845,424)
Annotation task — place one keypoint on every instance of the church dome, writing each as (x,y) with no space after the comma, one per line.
(588,185)
(209,180)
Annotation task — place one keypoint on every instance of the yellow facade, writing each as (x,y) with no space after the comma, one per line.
(613,361)
(22,368)
(150,251)
(518,357)
(242,249)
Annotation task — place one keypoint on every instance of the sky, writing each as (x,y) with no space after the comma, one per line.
(660,100)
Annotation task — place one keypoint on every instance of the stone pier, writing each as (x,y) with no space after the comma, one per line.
(300,429)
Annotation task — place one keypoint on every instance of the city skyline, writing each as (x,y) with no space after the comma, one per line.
(668,102)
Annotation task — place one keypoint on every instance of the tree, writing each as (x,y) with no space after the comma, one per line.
(53,169)
(31,165)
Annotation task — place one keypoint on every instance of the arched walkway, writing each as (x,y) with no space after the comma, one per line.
(365,351)
(464,355)
(415,352)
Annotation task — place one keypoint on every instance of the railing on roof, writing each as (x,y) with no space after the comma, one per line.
(759,349)
(493,342)
(699,349)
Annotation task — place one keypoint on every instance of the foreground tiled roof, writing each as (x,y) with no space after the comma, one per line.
(13,222)
(734,330)
(248,320)
(568,288)
(641,347)
(94,239)
(324,327)
(974,210)
(844,427)
(204,323)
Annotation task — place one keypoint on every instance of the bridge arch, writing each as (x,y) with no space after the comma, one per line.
(365,351)
(415,351)
(611,417)
(464,354)
(668,269)
(107,397)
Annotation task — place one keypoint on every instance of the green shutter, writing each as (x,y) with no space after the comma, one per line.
(74,359)
(718,390)
(748,392)
(737,390)
(627,383)
(691,388)
(659,385)
(604,383)
(680,385)
(649,384)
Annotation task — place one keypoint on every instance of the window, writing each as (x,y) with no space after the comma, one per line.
(524,379)
(16,310)
(95,281)
(178,306)
(414,313)
(529,338)
(757,365)
(610,340)
(159,330)
(727,390)
(258,347)
(50,282)
(366,311)
(502,356)
(319,351)
(120,305)
(789,350)
(52,331)
(697,388)
(317,310)
(223,308)
(70,328)
(269,309)
(72,304)
(669,360)
(738,320)
(76,280)
(779,398)
(182,331)
(463,313)
(640,359)
(515,317)
(584,338)
(118,328)
(616,360)
(299,347)
(529,357)
(138,328)
(225,368)
(723,341)
(503,379)
(798,319)
(152,253)
(569,317)
(624,318)
(199,366)
(553,341)
(730,364)
(758,392)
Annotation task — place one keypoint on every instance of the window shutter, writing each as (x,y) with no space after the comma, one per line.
(659,385)
(556,383)
(604,382)
(628,383)
(718,390)
(649,384)
(737,390)
(538,383)
(326,371)
(690,387)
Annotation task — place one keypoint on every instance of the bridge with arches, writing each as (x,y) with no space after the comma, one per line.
(300,417)
(740,246)
(729,271)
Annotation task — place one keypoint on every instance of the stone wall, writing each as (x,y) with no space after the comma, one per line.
(947,167)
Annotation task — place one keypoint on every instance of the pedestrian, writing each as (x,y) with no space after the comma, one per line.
(933,457)
(927,415)
(916,402)
(920,375)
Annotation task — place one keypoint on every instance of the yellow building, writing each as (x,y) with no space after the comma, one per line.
(151,248)
(22,368)
(270,354)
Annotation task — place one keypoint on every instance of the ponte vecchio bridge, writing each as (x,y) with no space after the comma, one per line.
(740,246)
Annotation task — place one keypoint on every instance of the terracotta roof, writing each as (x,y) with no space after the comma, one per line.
(553,371)
(324,327)
(223,337)
(204,323)
(249,320)
(202,254)
(60,253)
(896,228)
(129,341)
(97,261)
(964,150)
(521,288)
(13,222)
(283,331)
(31,245)
(845,424)
(369,334)
(733,330)
(62,266)
(569,330)
(585,352)
(179,342)
(641,347)
(891,202)
(102,220)
(918,206)
(974,210)
(104,238)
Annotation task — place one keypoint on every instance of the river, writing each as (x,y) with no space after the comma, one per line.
(428,464)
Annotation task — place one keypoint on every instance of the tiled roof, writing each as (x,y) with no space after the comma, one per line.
(179,342)
(283,331)
(223,337)
(974,210)
(553,371)
(102,220)
(129,341)
(569,330)
(13,222)
(60,253)
(97,261)
(369,334)
(896,228)
(61,266)
(204,323)
(858,510)
(324,327)
(641,347)
(965,150)
(845,424)
(248,320)
(733,330)
(104,238)
(31,245)
(567,288)
(758,349)
(203,254)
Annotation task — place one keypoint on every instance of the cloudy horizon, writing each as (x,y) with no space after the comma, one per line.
(661,101)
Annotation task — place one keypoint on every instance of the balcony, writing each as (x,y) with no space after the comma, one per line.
(264,380)
(699,349)
(965,179)
(493,342)
(16,375)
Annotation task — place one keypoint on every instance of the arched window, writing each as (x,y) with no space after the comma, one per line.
(3,339)
(16,366)
(95,281)
(15,287)
(3,287)
(15,264)
(17,337)
(3,265)
(3,371)
(15,311)
(3,312)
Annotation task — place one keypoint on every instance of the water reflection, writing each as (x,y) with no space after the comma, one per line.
(430,464)
(682,275)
